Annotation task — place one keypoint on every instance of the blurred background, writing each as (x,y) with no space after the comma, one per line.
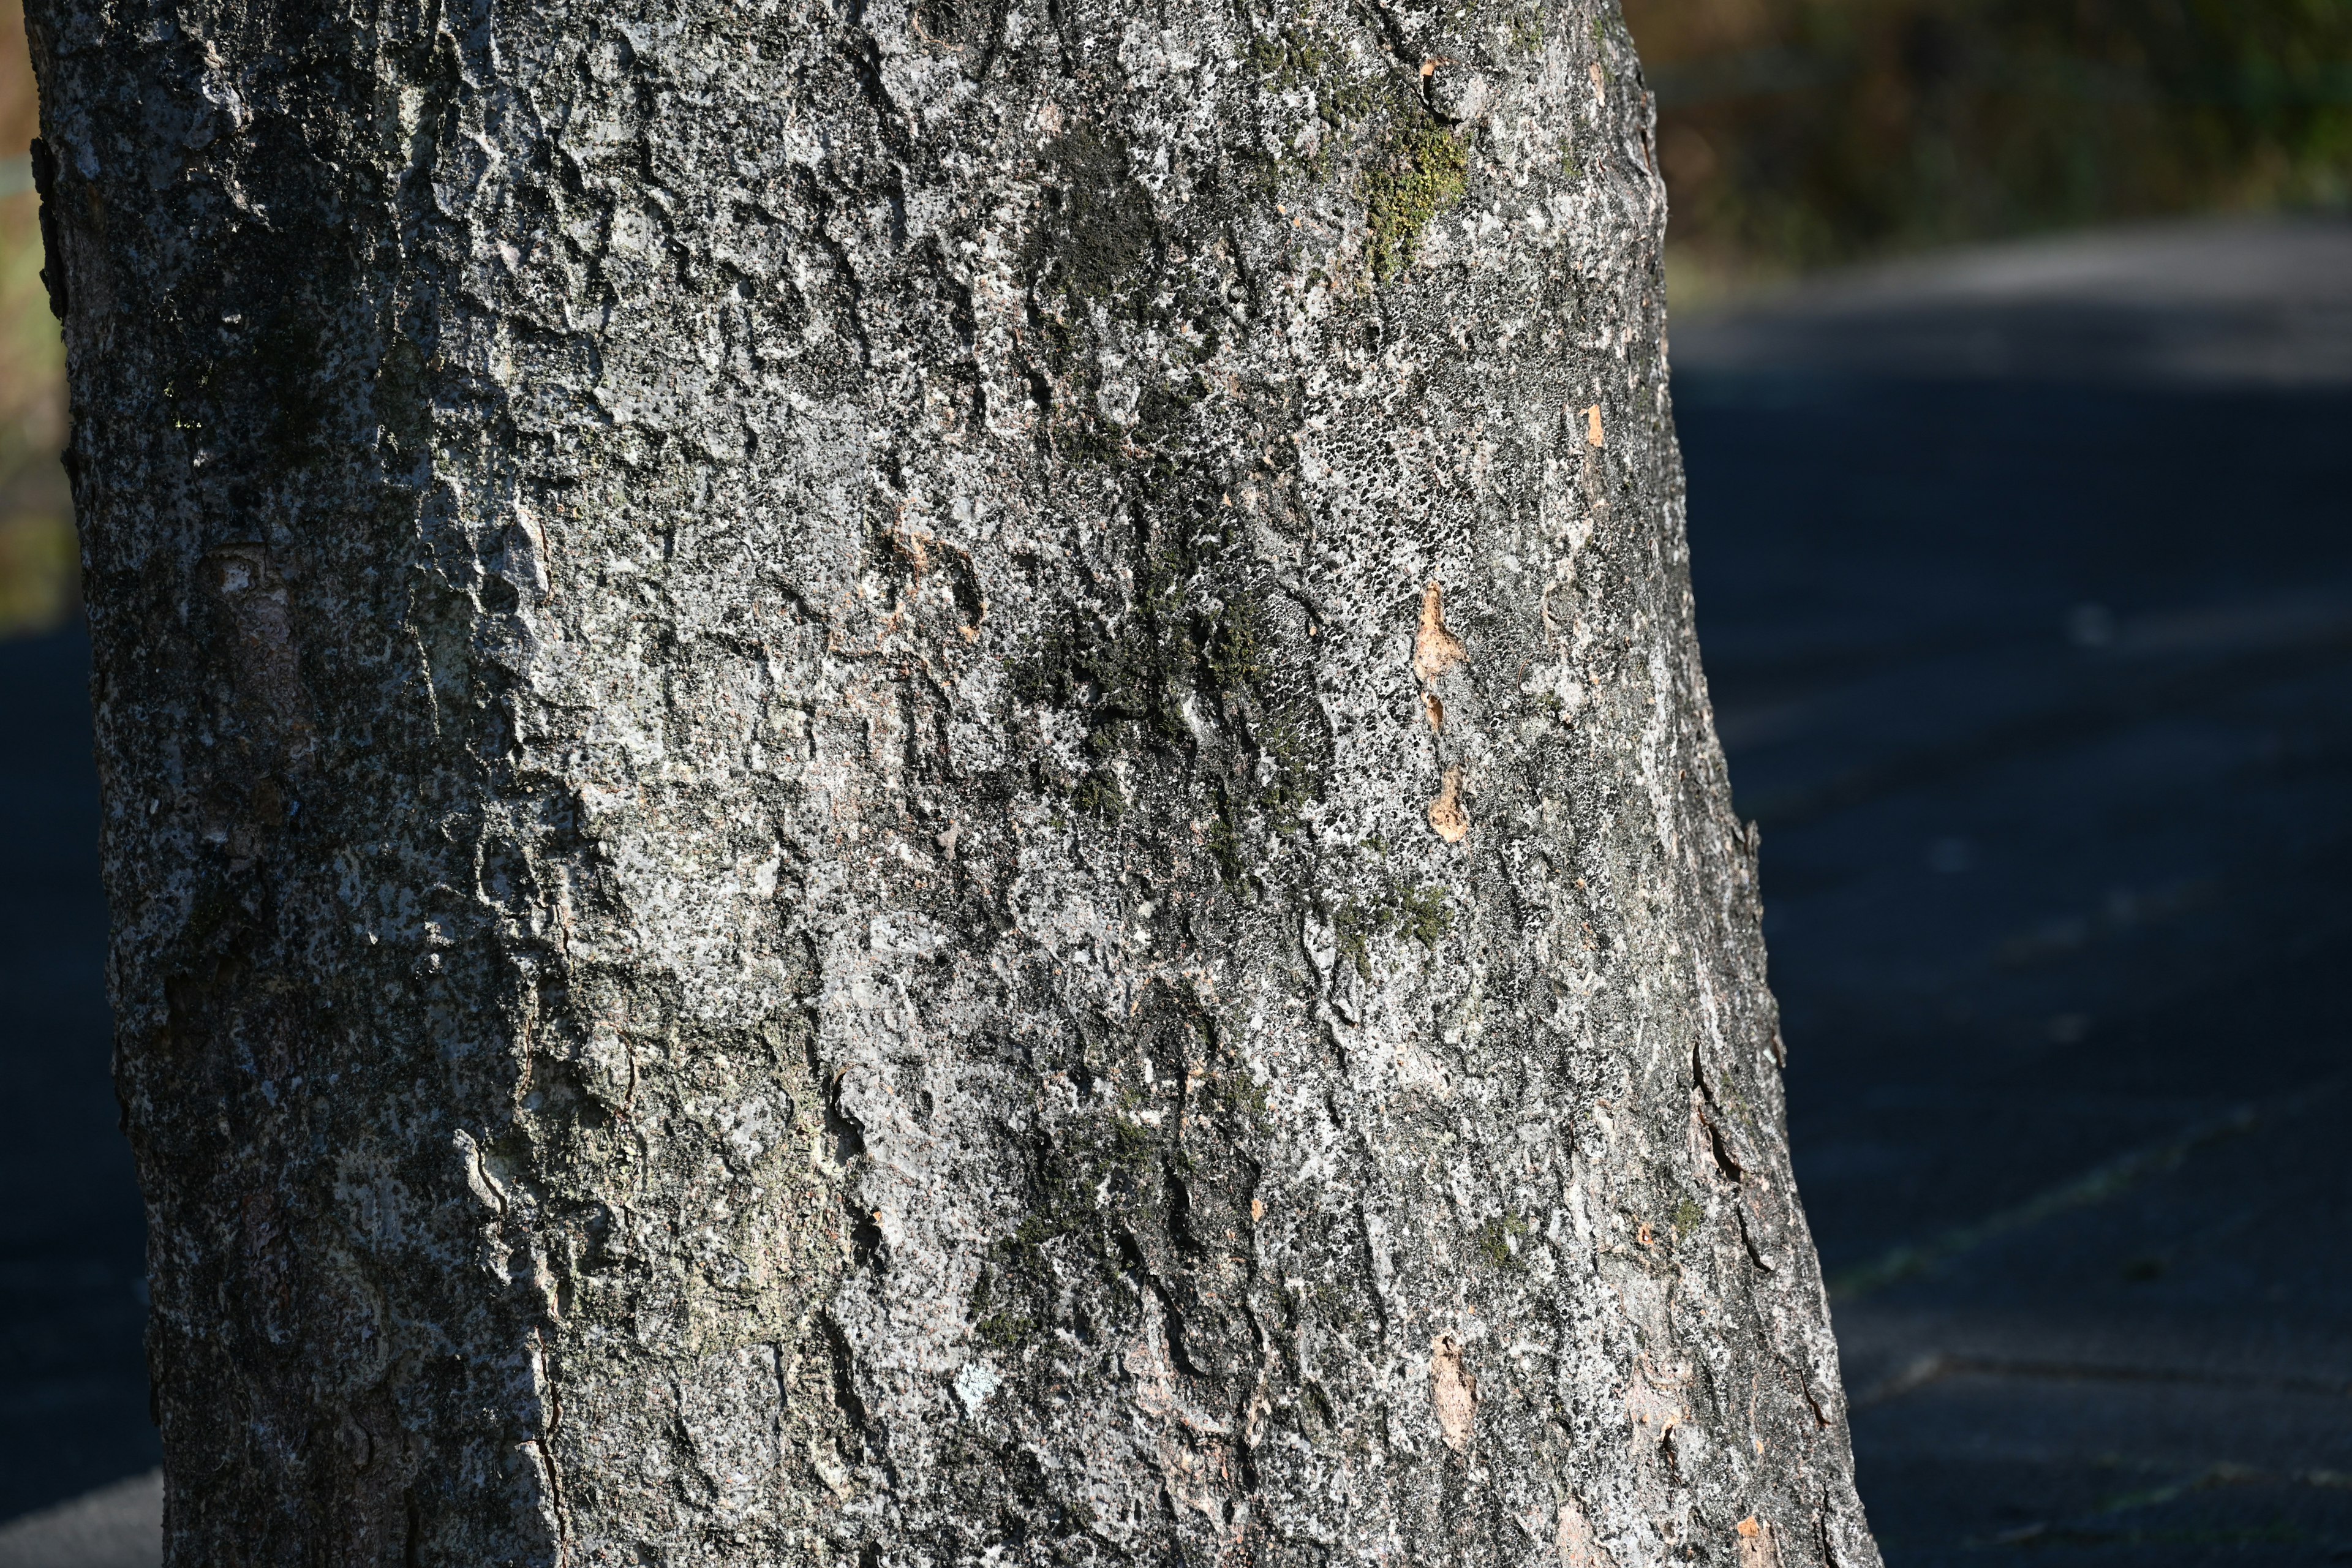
(1797,134)
(2013,369)
(2012,347)
(40,580)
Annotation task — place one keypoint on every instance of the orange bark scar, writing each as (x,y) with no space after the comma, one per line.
(1578,1548)
(1757,1547)
(1453,1391)
(1435,650)
(1447,817)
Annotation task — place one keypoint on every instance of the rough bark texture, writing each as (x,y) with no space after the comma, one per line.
(920,786)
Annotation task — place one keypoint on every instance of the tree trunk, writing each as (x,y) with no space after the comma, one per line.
(920,786)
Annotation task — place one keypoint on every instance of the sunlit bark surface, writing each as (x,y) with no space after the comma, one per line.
(920,787)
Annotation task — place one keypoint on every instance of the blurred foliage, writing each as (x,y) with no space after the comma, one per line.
(1799,133)
(40,560)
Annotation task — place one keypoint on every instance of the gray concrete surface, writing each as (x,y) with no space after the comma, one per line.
(2025,581)
(117,1526)
(2256,302)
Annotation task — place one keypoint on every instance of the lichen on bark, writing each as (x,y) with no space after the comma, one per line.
(797,873)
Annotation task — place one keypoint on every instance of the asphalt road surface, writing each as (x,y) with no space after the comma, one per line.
(2025,586)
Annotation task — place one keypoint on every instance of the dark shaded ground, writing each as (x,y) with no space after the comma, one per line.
(2034,655)
(73,1379)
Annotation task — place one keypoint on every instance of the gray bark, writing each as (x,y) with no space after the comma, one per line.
(920,786)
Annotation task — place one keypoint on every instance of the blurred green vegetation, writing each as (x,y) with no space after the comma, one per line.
(40,560)
(1799,133)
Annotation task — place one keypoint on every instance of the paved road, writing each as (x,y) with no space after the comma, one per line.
(2025,583)
(73,1382)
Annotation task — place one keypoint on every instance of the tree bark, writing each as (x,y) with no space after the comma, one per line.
(920,786)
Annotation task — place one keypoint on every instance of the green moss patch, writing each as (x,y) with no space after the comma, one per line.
(1500,1238)
(1427,169)
(1397,908)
